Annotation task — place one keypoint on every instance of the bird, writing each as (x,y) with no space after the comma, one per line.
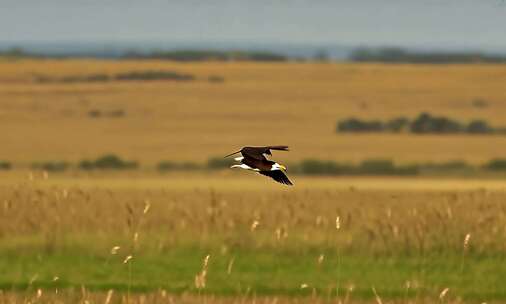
(253,158)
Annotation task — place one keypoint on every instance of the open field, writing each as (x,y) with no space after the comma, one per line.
(146,235)
(258,103)
(405,238)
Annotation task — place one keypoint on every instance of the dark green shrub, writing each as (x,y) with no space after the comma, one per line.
(173,166)
(479,126)
(54,166)
(216,79)
(356,125)
(367,167)
(154,75)
(112,161)
(43,79)
(96,78)
(313,166)
(167,166)
(116,113)
(86,165)
(377,166)
(71,79)
(109,161)
(219,163)
(498,164)
(448,166)
(397,124)
(94,113)
(319,167)
(5,165)
(385,167)
(293,168)
(479,103)
(426,123)
(85,78)
(407,170)
(190,166)
(265,56)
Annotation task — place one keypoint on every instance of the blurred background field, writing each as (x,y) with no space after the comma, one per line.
(115,116)
(261,103)
(138,224)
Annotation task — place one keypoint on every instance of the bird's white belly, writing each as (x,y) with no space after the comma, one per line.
(245,167)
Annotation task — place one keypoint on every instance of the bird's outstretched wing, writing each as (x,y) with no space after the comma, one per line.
(258,152)
(278,176)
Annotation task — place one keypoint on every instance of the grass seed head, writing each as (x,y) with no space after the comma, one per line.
(230,266)
(321,258)
(200,278)
(206,261)
(115,249)
(254,225)
(443,293)
(376,296)
(109,296)
(466,241)
(127,259)
(147,206)
(350,287)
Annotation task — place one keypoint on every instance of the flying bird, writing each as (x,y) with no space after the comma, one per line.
(253,158)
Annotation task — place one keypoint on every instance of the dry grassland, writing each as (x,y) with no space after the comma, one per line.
(388,215)
(76,235)
(162,296)
(339,238)
(296,104)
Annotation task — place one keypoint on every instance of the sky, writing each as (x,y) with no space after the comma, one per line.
(475,24)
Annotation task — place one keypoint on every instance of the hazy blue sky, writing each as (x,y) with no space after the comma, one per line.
(445,23)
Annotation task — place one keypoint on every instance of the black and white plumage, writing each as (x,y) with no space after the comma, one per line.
(253,158)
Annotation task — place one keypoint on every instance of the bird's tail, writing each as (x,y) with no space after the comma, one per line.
(231,154)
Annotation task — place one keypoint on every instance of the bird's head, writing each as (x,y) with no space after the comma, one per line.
(277,166)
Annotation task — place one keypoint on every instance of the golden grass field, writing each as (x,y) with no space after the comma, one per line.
(140,236)
(338,237)
(297,104)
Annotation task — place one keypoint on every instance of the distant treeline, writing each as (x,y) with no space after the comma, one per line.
(208,55)
(388,167)
(16,52)
(5,165)
(306,167)
(424,123)
(399,55)
(364,54)
(106,162)
(176,55)
(125,76)
(366,167)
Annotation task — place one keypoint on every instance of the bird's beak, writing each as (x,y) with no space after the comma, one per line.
(282,167)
